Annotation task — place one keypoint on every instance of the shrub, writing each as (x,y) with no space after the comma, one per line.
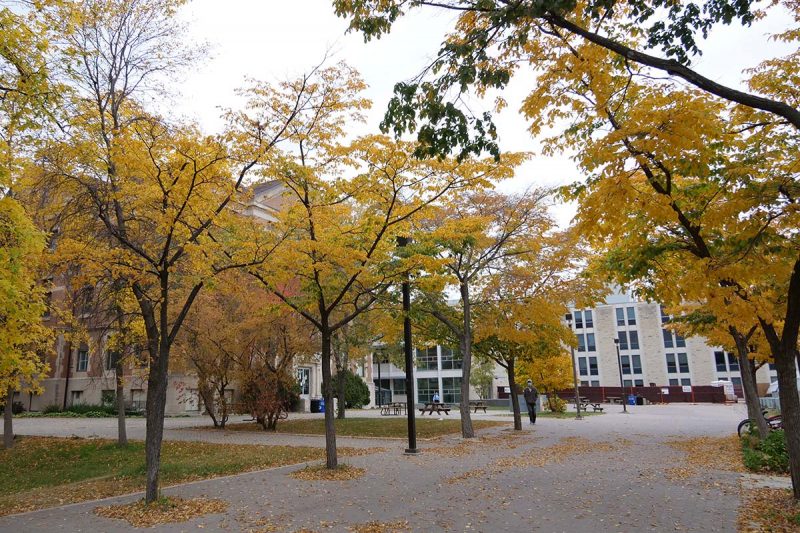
(356,392)
(52,408)
(769,455)
(84,408)
(556,404)
(16,407)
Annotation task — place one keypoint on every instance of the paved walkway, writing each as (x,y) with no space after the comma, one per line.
(503,483)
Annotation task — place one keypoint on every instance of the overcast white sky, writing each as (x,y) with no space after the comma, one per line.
(275,40)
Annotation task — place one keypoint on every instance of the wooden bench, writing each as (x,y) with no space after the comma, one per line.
(478,405)
(438,407)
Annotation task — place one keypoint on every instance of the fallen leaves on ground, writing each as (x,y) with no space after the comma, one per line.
(381,527)
(557,453)
(165,511)
(469,474)
(769,510)
(680,473)
(711,453)
(321,473)
(508,441)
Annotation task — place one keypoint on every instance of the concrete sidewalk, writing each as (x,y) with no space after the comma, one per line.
(623,487)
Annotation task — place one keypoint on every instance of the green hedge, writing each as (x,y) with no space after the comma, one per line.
(769,455)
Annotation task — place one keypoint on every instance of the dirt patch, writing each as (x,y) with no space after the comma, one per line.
(768,509)
(321,473)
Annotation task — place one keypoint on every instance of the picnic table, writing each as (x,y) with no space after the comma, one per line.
(478,404)
(394,408)
(614,399)
(435,406)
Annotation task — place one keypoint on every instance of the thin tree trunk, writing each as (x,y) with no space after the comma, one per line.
(467,430)
(331,460)
(340,393)
(790,413)
(122,434)
(749,384)
(156,403)
(514,398)
(8,420)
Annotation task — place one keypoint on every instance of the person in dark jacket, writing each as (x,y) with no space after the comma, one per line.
(531,395)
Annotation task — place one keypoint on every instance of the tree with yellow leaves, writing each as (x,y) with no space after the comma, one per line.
(22,333)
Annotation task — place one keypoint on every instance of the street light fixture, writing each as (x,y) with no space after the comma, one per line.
(410,408)
(578,416)
(621,383)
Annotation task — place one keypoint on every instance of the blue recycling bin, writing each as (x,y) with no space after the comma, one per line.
(322,405)
(631,399)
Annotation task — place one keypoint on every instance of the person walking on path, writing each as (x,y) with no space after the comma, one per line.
(531,395)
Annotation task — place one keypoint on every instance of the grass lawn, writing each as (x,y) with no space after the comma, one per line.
(427,428)
(44,472)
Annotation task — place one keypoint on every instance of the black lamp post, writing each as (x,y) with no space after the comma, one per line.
(407,350)
(578,416)
(621,383)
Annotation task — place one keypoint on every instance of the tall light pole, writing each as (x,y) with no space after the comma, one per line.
(621,383)
(410,408)
(578,416)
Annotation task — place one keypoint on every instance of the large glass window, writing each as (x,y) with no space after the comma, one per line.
(620,316)
(634,339)
(588,320)
(451,359)
(83,360)
(719,359)
(399,386)
(425,389)
(733,362)
(667,338)
(664,316)
(631,316)
(683,363)
(673,382)
(304,379)
(426,358)
(672,367)
(686,382)
(582,368)
(626,364)
(590,345)
(581,342)
(623,340)
(680,342)
(637,364)
(451,390)
(578,319)
(593,370)
(638,383)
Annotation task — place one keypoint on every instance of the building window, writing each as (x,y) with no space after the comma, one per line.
(673,382)
(584,383)
(623,340)
(451,390)
(590,344)
(736,381)
(733,363)
(595,383)
(581,342)
(587,315)
(638,383)
(399,386)
(683,363)
(112,357)
(626,364)
(664,317)
(631,317)
(593,370)
(582,368)
(425,389)
(304,379)
(680,342)
(76,397)
(620,316)
(672,367)
(719,358)
(686,382)
(637,364)
(108,397)
(627,383)
(83,361)
(634,338)
(426,358)
(667,338)
(578,320)
(451,359)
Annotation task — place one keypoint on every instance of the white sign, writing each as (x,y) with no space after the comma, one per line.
(664,391)
(687,388)
(507,390)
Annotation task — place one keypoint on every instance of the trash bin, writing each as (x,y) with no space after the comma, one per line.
(640,400)
(322,405)
(631,399)
(315,405)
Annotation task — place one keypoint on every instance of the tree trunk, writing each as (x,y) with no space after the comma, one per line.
(749,384)
(514,398)
(207,395)
(331,460)
(466,354)
(8,420)
(790,413)
(122,434)
(340,394)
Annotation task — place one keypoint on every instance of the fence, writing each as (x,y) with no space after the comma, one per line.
(696,394)
(772,404)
